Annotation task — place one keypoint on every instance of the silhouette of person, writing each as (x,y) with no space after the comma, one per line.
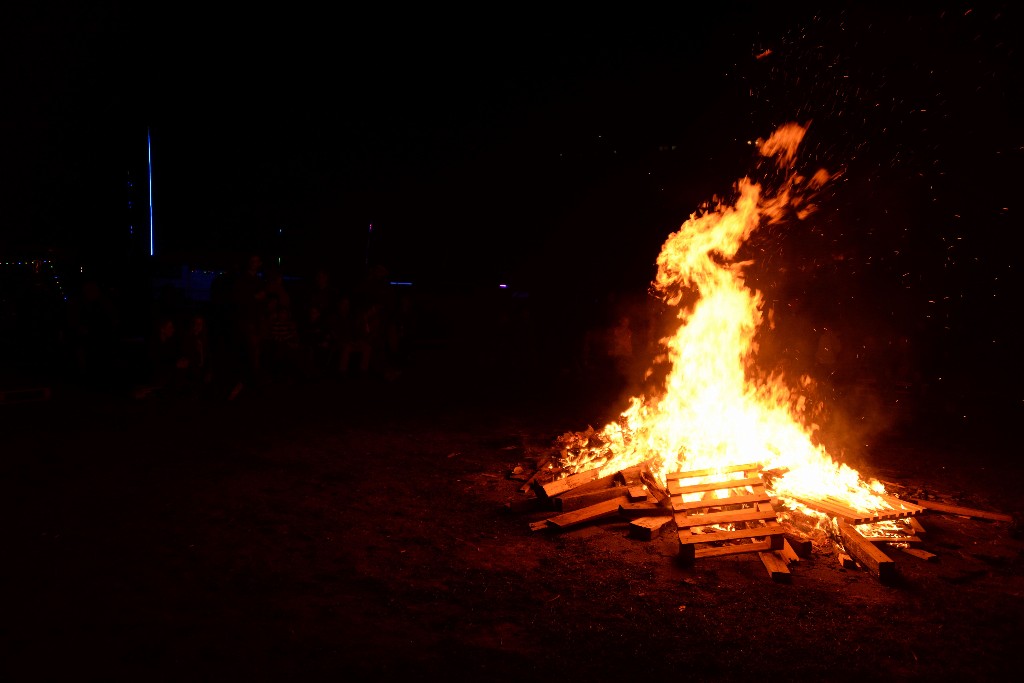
(93,324)
(248,297)
(167,365)
(195,352)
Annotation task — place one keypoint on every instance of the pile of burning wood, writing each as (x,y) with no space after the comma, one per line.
(728,511)
(713,404)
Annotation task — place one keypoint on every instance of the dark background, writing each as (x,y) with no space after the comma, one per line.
(350,528)
(553,151)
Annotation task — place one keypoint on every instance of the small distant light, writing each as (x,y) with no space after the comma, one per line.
(503,286)
(401,284)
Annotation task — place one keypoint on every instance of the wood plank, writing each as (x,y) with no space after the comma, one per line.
(649,528)
(559,486)
(801,545)
(776,566)
(602,510)
(539,525)
(865,552)
(787,551)
(541,464)
(630,476)
(654,487)
(854,516)
(627,477)
(917,526)
(892,539)
(689,552)
(675,489)
(963,511)
(748,515)
(735,549)
(921,554)
(574,501)
(637,493)
(635,510)
(749,467)
(679,505)
(847,514)
(770,529)
(599,484)
(901,504)
(845,561)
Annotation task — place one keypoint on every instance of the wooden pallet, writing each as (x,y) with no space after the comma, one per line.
(834,507)
(746,507)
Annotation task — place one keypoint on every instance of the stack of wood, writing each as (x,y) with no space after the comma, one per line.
(728,515)
(722,511)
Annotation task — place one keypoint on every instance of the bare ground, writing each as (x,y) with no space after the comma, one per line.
(348,531)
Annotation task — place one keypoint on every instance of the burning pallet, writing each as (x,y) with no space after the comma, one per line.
(834,507)
(725,511)
(739,503)
(731,516)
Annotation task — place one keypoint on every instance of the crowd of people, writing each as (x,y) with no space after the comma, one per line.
(256,328)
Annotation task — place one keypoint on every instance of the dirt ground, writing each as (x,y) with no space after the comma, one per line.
(352,531)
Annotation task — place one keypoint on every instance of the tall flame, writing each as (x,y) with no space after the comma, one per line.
(714,410)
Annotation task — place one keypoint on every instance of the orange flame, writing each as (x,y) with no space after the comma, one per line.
(711,411)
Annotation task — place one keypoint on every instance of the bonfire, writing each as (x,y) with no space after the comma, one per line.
(716,410)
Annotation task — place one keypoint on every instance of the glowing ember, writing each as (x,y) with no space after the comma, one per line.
(715,409)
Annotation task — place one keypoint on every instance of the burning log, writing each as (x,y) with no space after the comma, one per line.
(865,552)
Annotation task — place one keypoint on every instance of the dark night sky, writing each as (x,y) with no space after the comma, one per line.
(548,149)
(468,140)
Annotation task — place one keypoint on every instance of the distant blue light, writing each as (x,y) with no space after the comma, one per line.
(503,286)
(401,284)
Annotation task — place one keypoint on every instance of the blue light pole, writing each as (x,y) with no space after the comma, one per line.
(149,160)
